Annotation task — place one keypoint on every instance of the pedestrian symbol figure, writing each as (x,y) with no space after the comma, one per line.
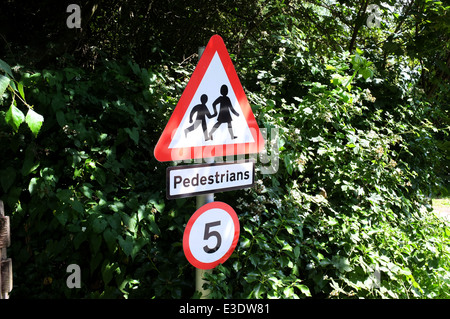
(224,112)
(202,111)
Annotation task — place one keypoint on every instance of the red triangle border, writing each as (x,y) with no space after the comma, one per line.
(162,152)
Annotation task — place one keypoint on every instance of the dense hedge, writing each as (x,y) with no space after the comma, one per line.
(345,201)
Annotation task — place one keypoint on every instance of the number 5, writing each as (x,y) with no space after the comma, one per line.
(208,234)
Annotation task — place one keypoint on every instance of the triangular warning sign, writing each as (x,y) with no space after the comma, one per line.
(213,116)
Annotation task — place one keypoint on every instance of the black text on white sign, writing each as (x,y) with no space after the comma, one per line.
(191,180)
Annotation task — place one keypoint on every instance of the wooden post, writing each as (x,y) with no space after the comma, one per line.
(5,263)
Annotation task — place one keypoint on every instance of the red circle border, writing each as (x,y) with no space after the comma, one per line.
(187,231)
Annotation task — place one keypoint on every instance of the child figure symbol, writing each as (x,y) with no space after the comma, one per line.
(225,110)
(202,112)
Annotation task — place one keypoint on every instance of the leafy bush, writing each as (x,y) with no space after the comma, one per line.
(10,90)
(346,201)
(345,216)
(90,190)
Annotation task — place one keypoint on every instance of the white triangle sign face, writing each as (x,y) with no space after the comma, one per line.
(213,116)
(190,135)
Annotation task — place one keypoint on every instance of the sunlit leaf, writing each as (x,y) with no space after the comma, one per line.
(14,117)
(34,121)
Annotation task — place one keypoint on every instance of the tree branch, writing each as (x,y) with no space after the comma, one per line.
(358,24)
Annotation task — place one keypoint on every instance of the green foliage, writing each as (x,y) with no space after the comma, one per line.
(347,202)
(14,117)
(90,183)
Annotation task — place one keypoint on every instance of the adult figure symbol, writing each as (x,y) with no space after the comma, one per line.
(225,107)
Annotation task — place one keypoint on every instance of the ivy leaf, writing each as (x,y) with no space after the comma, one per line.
(366,73)
(357,61)
(304,289)
(288,292)
(108,270)
(20,88)
(5,67)
(341,263)
(153,225)
(4,82)
(99,224)
(34,121)
(126,245)
(99,175)
(134,134)
(14,117)
(62,216)
(33,185)
(110,239)
(297,251)
(77,206)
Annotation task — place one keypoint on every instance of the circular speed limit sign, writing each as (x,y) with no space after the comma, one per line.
(211,235)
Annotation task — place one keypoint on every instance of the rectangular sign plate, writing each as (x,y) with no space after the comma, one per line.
(192,180)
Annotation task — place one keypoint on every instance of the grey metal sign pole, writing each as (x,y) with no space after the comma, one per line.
(202,200)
